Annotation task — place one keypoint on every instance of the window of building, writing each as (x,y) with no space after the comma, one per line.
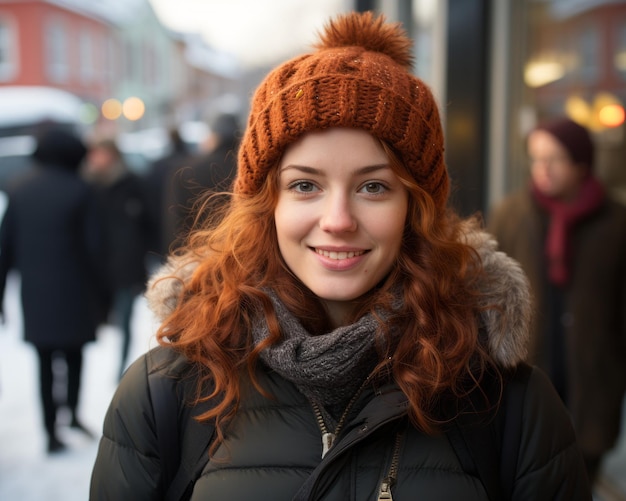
(86,54)
(8,49)
(56,49)
(114,59)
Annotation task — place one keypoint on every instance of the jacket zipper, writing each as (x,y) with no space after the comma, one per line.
(384,492)
(328,437)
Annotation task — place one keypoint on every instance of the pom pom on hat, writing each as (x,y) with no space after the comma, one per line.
(574,137)
(372,34)
(359,77)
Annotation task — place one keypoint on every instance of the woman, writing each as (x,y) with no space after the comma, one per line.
(569,236)
(335,319)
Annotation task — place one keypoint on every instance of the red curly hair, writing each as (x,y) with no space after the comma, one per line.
(238,257)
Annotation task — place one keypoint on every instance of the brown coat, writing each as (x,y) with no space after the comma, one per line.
(594,318)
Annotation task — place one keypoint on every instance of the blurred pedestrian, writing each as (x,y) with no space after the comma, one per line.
(128,230)
(198,189)
(155,182)
(326,336)
(50,236)
(570,238)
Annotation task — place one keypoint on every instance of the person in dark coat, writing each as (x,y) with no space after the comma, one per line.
(50,236)
(198,189)
(570,238)
(127,232)
(336,321)
(155,183)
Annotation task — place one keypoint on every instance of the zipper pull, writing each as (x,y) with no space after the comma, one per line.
(384,494)
(328,439)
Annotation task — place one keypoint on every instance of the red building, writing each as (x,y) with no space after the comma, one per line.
(47,44)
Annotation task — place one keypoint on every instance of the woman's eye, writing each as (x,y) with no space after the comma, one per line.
(374,188)
(302,186)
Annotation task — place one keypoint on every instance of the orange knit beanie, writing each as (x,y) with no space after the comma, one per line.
(359,77)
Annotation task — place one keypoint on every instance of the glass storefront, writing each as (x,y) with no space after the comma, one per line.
(566,57)
(534,59)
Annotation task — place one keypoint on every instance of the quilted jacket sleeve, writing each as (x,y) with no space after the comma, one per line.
(127,465)
(550,464)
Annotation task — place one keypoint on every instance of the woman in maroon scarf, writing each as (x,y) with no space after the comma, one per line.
(571,241)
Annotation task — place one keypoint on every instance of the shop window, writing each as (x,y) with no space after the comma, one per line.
(619,60)
(588,50)
(572,59)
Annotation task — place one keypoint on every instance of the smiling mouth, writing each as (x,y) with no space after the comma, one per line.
(339,255)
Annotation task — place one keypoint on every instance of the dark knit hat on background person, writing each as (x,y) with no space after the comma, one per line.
(359,77)
(574,137)
(226,126)
(59,147)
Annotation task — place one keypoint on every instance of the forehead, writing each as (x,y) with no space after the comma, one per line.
(337,145)
(541,141)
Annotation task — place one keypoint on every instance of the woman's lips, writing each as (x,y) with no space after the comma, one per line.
(339,254)
(339,260)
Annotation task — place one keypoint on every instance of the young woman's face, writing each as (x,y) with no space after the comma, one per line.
(551,168)
(340,215)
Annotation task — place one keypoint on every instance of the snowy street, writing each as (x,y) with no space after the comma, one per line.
(27,472)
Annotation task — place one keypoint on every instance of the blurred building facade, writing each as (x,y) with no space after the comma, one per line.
(496,67)
(117,57)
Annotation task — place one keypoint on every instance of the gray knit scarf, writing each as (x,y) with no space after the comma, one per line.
(328,368)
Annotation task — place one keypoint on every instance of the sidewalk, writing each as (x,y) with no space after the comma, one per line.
(27,473)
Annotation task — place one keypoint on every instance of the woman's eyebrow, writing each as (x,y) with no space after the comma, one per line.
(301,168)
(312,170)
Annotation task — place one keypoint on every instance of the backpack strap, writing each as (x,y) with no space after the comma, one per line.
(510,422)
(487,440)
(194,457)
(182,458)
(165,408)
(473,437)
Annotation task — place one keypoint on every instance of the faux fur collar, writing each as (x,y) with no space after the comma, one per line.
(504,285)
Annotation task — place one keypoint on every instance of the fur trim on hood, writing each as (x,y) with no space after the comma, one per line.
(504,285)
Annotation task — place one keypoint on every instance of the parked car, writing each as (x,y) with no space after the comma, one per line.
(15,157)
(23,110)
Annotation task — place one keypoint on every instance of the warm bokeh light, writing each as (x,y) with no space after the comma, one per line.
(578,109)
(611,115)
(133,108)
(604,111)
(603,100)
(111,109)
(539,73)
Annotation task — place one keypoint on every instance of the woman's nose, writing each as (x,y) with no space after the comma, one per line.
(338,215)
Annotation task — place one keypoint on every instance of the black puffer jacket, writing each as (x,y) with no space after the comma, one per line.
(273,448)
